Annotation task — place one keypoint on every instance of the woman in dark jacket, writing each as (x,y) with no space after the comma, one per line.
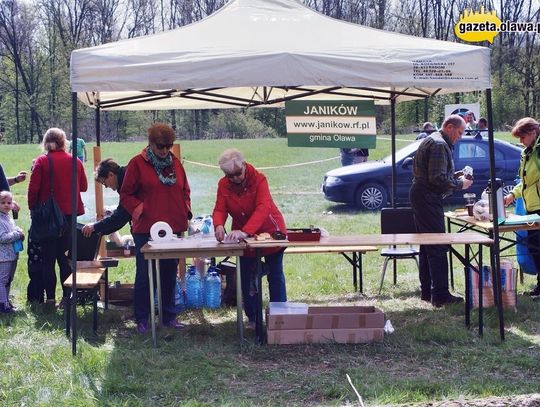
(155,188)
(39,189)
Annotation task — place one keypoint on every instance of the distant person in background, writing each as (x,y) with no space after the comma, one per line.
(482,124)
(111,175)
(470,120)
(527,130)
(81,149)
(427,129)
(351,156)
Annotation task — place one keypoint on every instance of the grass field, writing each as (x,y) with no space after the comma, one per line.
(431,355)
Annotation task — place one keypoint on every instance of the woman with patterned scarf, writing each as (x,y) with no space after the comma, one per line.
(156,188)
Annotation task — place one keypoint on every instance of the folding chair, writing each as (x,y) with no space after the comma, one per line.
(397,220)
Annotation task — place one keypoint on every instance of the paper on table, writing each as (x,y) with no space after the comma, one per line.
(521,219)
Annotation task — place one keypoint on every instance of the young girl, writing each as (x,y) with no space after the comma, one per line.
(9,233)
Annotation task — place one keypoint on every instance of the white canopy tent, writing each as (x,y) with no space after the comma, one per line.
(256,53)
(260,52)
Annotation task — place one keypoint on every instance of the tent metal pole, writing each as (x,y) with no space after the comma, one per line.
(495,258)
(393,138)
(73,303)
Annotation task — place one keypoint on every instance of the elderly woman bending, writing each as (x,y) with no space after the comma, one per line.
(155,188)
(243,194)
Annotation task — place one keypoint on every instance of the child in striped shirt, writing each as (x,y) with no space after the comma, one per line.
(11,237)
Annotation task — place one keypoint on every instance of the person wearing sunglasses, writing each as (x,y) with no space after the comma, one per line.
(527,130)
(110,175)
(155,188)
(243,193)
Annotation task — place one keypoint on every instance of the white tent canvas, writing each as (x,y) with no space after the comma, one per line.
(258,52)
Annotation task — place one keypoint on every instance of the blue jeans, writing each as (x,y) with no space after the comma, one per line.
(141,293)
(275,277)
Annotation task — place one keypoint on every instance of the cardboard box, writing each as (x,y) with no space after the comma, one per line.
(333,324)
(293,336)
(334,317)
(122,293)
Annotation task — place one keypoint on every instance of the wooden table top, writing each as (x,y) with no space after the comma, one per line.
(209,247)
(464,219)
(380,240)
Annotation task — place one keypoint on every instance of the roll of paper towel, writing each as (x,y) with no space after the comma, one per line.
(161,232)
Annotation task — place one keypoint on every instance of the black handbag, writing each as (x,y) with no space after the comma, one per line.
(48,221)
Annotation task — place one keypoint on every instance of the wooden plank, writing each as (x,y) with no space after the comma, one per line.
(86,278)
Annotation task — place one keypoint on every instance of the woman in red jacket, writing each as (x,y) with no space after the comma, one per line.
(155,188)
(244,194)
(54,145)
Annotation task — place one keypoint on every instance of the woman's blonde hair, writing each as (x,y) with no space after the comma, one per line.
(54,139)
(524,126)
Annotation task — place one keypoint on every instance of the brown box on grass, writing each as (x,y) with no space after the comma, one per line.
(334,317)
(339,324)
(292,336)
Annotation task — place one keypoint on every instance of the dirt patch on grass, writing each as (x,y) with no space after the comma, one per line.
(528,400)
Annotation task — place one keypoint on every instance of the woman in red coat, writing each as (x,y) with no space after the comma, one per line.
(54,145)
(244,194)
(155,188)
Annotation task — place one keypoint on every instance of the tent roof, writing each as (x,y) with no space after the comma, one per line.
(256,52)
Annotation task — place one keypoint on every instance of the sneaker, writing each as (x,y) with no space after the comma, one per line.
(449,299)
(425,297)
(534,292)
(142,327)
(13,307)
(174,324)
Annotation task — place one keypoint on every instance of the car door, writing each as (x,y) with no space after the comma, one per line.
(475,153)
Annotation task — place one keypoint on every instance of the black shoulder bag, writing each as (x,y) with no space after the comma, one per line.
(48,221)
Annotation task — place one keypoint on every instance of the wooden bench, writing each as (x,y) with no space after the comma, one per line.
(355,260)
(89,275)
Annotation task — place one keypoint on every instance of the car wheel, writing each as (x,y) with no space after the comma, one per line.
(371,197)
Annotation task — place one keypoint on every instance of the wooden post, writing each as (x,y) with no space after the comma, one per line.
(98,189)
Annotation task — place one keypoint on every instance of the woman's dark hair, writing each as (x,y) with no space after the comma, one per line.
(106,166)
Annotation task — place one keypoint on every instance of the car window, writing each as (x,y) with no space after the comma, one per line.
(472,150)
(468,150)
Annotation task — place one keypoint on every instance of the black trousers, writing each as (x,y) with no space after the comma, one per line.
(428,212)
(54,251)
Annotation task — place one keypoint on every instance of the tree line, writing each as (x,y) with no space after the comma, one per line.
(37,37)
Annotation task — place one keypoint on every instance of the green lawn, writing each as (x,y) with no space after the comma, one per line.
(431,356)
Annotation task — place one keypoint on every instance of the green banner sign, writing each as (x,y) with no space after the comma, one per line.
(319,123)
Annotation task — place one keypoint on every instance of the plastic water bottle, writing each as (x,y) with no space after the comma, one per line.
(193,289)
(207,227)
(213,290)
(179,298)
